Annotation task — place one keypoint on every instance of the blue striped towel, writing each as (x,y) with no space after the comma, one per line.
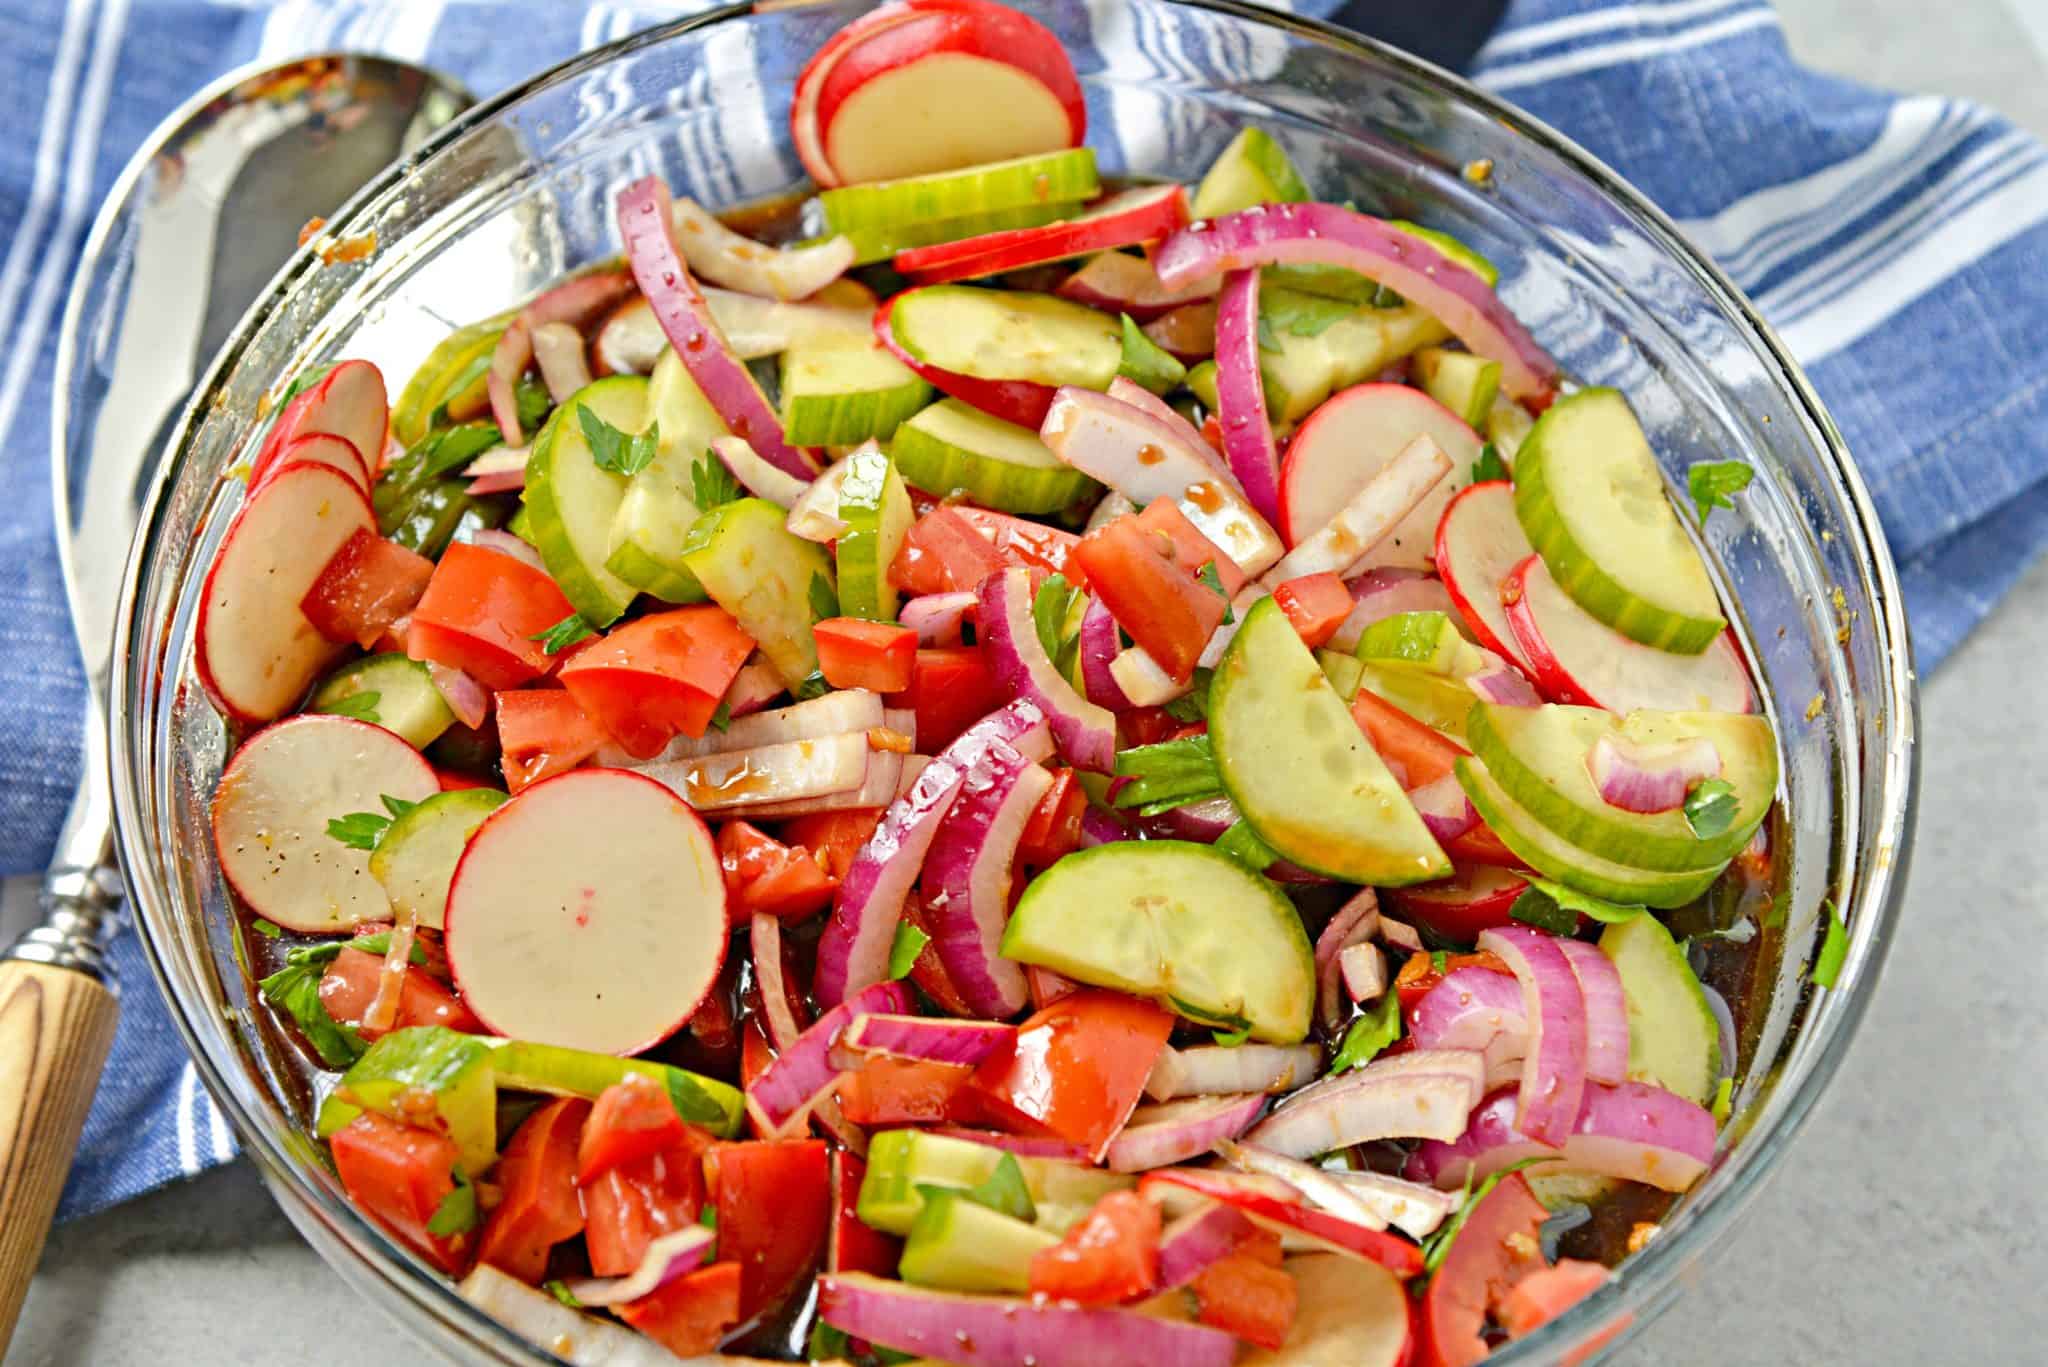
(1896,243)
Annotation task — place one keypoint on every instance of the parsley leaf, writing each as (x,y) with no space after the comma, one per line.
(457,1212)
(1827,965)
(1440,961)
(1242,843)
(295,990)
(358,830)
(1538,908)
(904,949)
(712,485)
(721,717)
(1213,581)
(1004,1190)
(619,452)
(1710,807)
(359,706)
(559,1289)
(1574,902)
(1300,315)
(1193,705)
(1438,1245)
(534,402)
(1170,774)
(824,598)
(264,928)
(692,1102)
(828,1344)
(397,806)
(1049,609)
(1711,481)
(1370,1034)
(811,685)
(563,634)
(304,381)
(1232,1038)
(1489,466)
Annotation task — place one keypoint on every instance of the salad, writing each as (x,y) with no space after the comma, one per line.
(995,768)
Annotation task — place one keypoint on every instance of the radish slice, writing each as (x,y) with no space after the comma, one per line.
(349,402)
(1444,807)
(1173,1131)
(854,950)
(1023,402)
(1318,1186)
(1347,539)
(576,302)
(1365,971)
(1554,1073)
(257,652)
(756,685)
(324,448)
(1357,920)
(803,111)
(1606,1011)
(1146,213)
(1241,395)
(1121,283)
(969,874)
(668,1257)
(1353,434)
(928,1038)
(469,700)
(540,1318)
(781,1098)
(1369,1105)
(757,475)
(1099,647)
(1084,732)
(833,714)
(766,775)
(1214,1069)
(1196,1241)
(558,888)
(722,256)
(271,809)
(1478,542)
(1001,1331)
(1633,1131)
(764,940)
(1381,593)
(1024,1146)
(1650,778)
(1576,658)
(692,330)
(1460,907)
(1410,1207)
(1470,1009)
(1410,265)
(558,348)
(1159,410)
(936,617)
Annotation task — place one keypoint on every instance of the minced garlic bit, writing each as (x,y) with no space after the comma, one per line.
(1639,1237)
(1813,709)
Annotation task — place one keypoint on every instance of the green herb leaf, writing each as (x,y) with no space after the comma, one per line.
(1301,315)
(397,806)
(1230,1039)
(904,949)
(1370,1034)
(1440,961)
(1538,908)
(304,381)
(358,706)
(708,1217)
(295,990)
(264,928)
(1710,807)
(828,1344)
(559,1289)
(358,830)
(824,598)
(530,396)
(1004,1190)
(712,485)
(1193,705)
(1489,466)
(1724,1102)
(1384,298)
(721,717)
(1049,609)
(1269,339)
(1711,482)
(564,634)
(378,944)
(1170,774)
(622,453)
(692,1102)
(1438,1245)
(1242,843)
(457,1212)
(1574,902)
(812,685)
(1827,966)
(1213,581)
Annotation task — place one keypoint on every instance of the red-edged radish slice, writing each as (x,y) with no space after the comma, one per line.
(271,810)
(1348,1311)
(1362,524)
(1145,401)
(1121,283)
(257,652)
(324,448)
(1248,445)
(348,402)
(1145,214)
(969,874)
(589,912)
(1379,594)
(1192,1243)
(1478,542)
(1351,437)
(1278,1205)
(1477,898)
(803,107)
(1576,658)
(1023,402)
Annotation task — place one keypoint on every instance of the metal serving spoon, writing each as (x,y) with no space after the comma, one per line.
(196,225)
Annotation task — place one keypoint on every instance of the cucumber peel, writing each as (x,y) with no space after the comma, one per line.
(573,503)
(754,568)
(841,392)
(1253,169)
(953,445)
(994,334)
(393,691)
(877,512)
(1042,178)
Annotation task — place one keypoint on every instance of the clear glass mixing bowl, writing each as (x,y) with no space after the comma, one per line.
(520,190)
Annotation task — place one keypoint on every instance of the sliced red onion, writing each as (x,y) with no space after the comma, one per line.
(854,950)
(1161,1135)
(814,515)
(1312,1182)
(1364,1106)
(1164,413)
(1365,971)
(837,713)
(1203,821)
(1248,443)
(504,543)
(576,302)
(1143,681)
(932,1039)
(1461,1064)
(1381,593)
(782,1097)
(1212,1069)
(1650,778)
(1196,1241)
(1410,1207)
(1291,234)
(668,1257)
(936,617)
(1023,1145)
(1121,283)
(723,256)
(1633,1131)
(1084,732)
(1112,506)
(1046,986)
(756,685)
(1099,827)
(1606,1011)
(1554,1073)
(1444,807)
(559,350)
(1400,934)
(1099,647)
(466,698)
(1357,920)
(1504,1061)
(757,475)
(1497,681)
(503,482)
(1299,1225)
(1189,332)
(764,937)
(968,875)
(1002,1331)
(1470,1009)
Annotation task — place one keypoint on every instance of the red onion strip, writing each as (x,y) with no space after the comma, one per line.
(1554,1073)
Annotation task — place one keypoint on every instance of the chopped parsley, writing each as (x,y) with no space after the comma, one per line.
(712,485)
(824,598)
(1370,1035)
(457,1212)
(358,706)
(1489,466)
(1050,608)
(721,717)
(621,453)
(904,949)
(564,634)
(1710,807)
(1213,581)
(1710,482)
(1437,1246)
(692,1102)
(362,830)
(1834,948)
(1570,904)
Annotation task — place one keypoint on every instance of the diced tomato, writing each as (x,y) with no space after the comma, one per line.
(632,1119)
(1261,1245)
(755,1052)
(1163,520)
(1548,1292)
(929,971)
(1041,549)
(1418,755)
(451,781)
(773,1210)
(855,1245)
(690,1314)
(856,653)
(1316,605)
(542,732)
(398,1176)
(367,585)
(1047,986)
(1249,1298)
(1076,1069)
(1147,726)
(1144,568)
(481,613)
(1054,829)
(834,837)
(1495,1248)
(1212,432)
(630,1206)
(350,984)
(661,674)
(943,553)
(1420,973)
(902,1091)
(537,1204)
(763,874)
(1112,1256)
(951,688)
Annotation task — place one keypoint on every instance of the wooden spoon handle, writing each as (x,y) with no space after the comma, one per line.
(56,1025)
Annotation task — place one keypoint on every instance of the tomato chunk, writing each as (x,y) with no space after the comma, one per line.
(1420,973)
(1076,1070)
(1245,1296)
(1146,570)
(1316,605)
(951,688)
(1054,829)
(631,1120)
(773,1210)
(856,653)
(481,614)
(763,874)
(398,1176)
(630,1206)
(542,732)
(691,1314)
(1019,541)
(854,1245)
(1494,1250)
(834,837)
(943,553)
(902,1091)
(538,1205)
(350,984)
(1110,1257)
(1548,1292)
(662,674)
(367,585)
(1419,754)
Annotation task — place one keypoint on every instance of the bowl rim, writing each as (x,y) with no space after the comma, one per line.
(1872,891)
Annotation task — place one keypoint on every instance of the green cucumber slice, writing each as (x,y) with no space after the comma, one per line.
(959,1245)
(1304,370)
(1327,282)
(1301,772)
(1437,701)
(880,243)
(876,509)
(415,860)
(557,1070)
(1146,363)
(1175,921)
(901,1161)
(1464,383)
(573,503)
(430,1076)
(1453,248)
(752,566)
(1426,640)
(452,377)
(1557,858)
(1674,1039)
(645,545)
(1253,169)
(1508,425)
(840,393)
(407,703)
(1342,671)
(1538,757)
(953,445)
(1008,335)
(1201,382)
(1590,496)
(1021,182)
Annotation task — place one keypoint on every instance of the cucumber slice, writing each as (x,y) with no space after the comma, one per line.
(452,378)
(415,860)
(1201,382)
(573,503)
(1557,858)
(880,244)
(1021,182)
(1300,770)
(1508,425)
(1008,335)
(406,701)
(1538,757)
(430,1076)
(959,1245)
(1146,363)
(557,1070)
(1590,496)
(1436,701)
(953,445)
(1451,247)
(901,1161)
(1327,282)
(1253,169)
(660,507)
(1183,923)
(752,566)
(1342,671)
(1304,371)
(842,393)
(1674,1039)
(1464,383)
(1426,640)
(876,509)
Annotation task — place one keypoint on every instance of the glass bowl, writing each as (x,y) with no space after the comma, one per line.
(519,191)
